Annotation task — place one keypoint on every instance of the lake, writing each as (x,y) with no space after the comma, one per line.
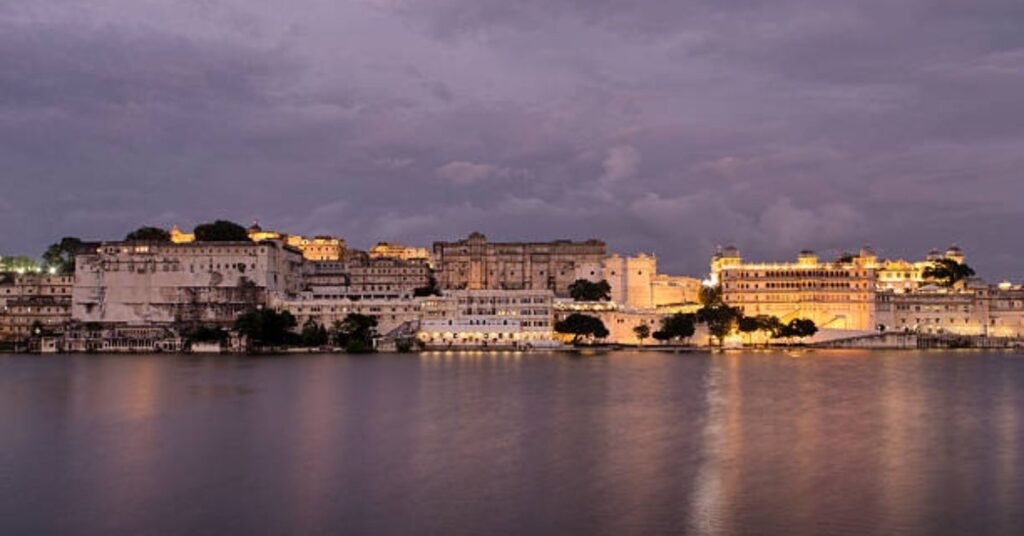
(822,442)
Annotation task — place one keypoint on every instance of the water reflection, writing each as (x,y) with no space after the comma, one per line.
(512,443)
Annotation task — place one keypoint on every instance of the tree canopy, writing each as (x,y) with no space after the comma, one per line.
(584,290)
(221,231)
(582,326)
(20,262)
(313,334)
(355,333)
(642,331)
(720,319)
(150,234)
(710,296)
(799,328)
(675,327)
(61,255)
(266,327)
(948,272)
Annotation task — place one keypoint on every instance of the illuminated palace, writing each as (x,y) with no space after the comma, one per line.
(835,295)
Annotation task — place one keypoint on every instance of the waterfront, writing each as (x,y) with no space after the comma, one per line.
(824,442)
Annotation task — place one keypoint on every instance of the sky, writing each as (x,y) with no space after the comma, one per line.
(665,126)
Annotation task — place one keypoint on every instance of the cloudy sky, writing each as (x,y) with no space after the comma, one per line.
(664,125)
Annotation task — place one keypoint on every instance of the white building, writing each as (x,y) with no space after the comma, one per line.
(488,319)
(145,283)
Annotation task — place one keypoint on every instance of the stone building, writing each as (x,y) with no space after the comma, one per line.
(978,309)
(31,299)
(899,275)
(326,309)
(145,283)
(635,282)
(835,295)
(488,319)
(318,248)
(21,315)
(394,250)
(367,277)
(474,263)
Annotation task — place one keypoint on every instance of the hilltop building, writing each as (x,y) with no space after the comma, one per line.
(392,250)
(474,263)
(318,248)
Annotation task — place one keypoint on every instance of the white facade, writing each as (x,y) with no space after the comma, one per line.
(488,319)
(146,283)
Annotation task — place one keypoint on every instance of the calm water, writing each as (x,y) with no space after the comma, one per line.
(821,443)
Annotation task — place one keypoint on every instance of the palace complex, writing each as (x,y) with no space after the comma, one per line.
(472,293)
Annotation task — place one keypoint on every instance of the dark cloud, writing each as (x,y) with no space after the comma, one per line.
(661,126)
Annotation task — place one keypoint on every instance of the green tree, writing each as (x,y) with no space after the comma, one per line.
(149,234)
(313,334)
(675,327)
(266,327)
(584,290)
(221,231)
(582,326)
(948,272)
(710,296)
(720,320)
(18,263)
(61,255)
(355,333)
(642,331)
(799,328)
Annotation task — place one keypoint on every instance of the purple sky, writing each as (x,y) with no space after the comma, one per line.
(665,125)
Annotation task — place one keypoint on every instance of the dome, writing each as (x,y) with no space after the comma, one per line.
(729,252)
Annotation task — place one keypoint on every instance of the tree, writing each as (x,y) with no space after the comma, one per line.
(582,326)
(710,296)
(61,256)
(948,272)
(720,319)
(764,323)
(584,290)
(642,331)
(799,328)
(675,327)
(266,327)
(355,333)
(149,234)
(221,231)
(18,263)
(429,290)
(313,334)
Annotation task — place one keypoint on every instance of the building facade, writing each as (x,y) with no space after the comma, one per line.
(33,300)
(474,263)
(835,295)
(392,250)
(979,310)
(517,319)
(366,277)
(143,283)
